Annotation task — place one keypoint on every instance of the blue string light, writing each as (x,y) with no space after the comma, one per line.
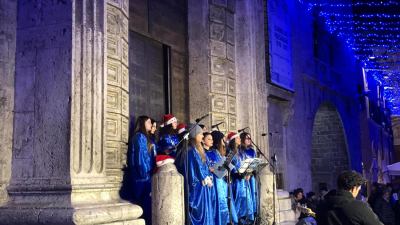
(374,38)
(356,4)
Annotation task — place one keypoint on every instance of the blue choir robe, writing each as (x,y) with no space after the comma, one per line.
(141,163)
(201,197)
(242,192)
(167,145)
(222,215)
(251,153)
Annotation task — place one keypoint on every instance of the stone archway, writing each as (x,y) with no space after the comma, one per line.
(329,155)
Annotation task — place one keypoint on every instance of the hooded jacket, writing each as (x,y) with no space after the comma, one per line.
(341,208)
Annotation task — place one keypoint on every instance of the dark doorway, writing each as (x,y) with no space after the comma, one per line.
(149,76)
(329,149)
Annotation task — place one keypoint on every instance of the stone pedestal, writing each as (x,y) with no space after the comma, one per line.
(266,198)
(70,114)
(168,201)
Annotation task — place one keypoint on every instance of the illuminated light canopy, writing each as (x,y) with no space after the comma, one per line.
(372,30)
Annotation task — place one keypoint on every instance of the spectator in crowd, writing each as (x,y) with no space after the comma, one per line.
(396,207)
(341,208)
(383,208)
(312,201)
(375,192)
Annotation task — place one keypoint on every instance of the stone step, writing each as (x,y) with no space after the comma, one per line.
(288,223)
(286,215)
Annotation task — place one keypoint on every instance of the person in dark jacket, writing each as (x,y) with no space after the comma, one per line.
(383,208)
(341,208)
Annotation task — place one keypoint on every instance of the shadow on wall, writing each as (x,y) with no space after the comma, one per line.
(126,191)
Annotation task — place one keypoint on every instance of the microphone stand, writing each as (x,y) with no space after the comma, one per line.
(272,165)
(229,195)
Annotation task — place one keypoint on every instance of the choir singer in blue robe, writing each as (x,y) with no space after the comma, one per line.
(217,154)
(141,161)
(241,186)
(199,181)
(247,150)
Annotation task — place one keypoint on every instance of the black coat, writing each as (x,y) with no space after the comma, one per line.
(384,211)
(340,208)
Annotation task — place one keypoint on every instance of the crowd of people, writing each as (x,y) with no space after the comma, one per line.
(348,204)
(217,190)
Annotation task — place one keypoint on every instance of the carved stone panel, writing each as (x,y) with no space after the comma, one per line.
(230,52)
(232,122)
(113,103)
(124,103)
(219,85)
(217,31)
(232,105)
(112,154)
(230,36)
(218,48)
(220,117)
(113,47)
(218,66)
(113,127)
(125,78)
(217,14)
(113,72)
(230,19)
(124,52)
(231,87)
(230,69)
(220,2)
(219,103)
(124,129)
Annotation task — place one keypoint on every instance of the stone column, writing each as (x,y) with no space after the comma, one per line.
(168,201)
(62,125)
(212,77)
(8,19)
(252,89)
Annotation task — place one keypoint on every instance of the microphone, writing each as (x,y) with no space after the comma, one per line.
(270,133)
(274,158)
(241,130)
(201,118)
(216,125)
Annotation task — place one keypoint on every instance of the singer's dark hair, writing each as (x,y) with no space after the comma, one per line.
(232,146)
(205,134)
(168,130)
(243,137)
(141,128)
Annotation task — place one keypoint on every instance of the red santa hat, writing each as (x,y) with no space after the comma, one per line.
(232,135)
(181,128)
(169,118)
(164,159)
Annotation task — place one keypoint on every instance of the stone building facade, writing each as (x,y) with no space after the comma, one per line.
(74,74)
